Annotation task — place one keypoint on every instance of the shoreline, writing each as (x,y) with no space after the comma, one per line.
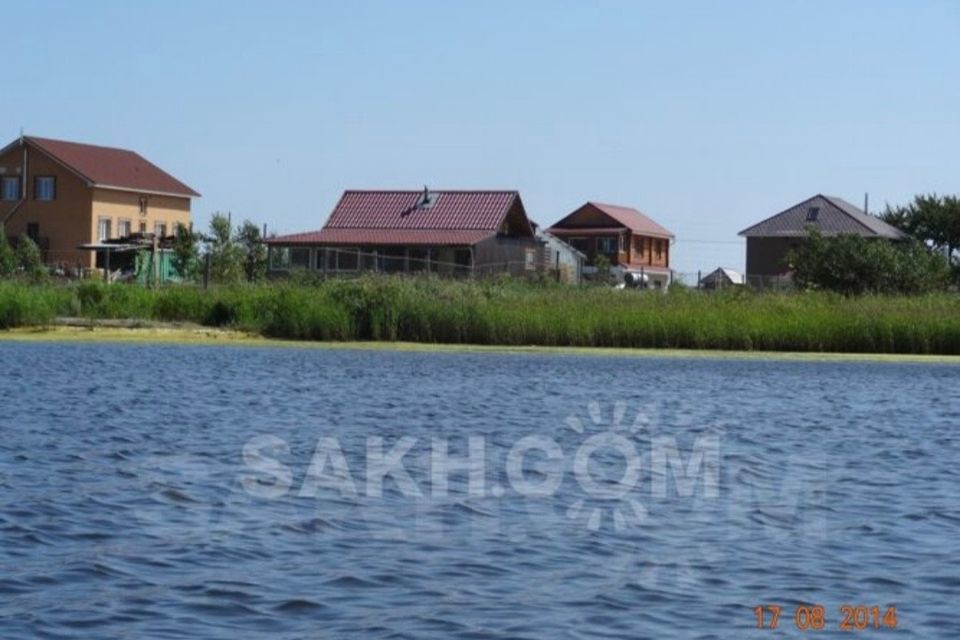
(149,332)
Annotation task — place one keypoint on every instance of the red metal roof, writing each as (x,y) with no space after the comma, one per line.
(397,218)
(586,231)
(385,237)
(450,210)
(633,220)
(111,168)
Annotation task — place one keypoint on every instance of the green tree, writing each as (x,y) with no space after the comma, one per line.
(851,264)
(29,259)
(602,264)
(250,241)
(8,259)
(186,254)
(932,219)
(226,258)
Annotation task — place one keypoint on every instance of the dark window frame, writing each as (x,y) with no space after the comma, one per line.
(612,240)
(11,179)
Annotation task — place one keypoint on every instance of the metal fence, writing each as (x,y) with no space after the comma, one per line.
(696,280)
(332,261)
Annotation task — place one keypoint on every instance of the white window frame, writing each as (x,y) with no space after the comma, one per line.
(120,224)
(101,221)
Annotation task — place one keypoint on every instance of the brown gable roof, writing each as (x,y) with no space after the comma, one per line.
(833,216)
(625,216)
(111,168)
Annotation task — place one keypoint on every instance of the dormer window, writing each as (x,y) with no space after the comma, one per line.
(812,214)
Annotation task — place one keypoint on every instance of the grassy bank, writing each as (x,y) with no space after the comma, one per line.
(516,314)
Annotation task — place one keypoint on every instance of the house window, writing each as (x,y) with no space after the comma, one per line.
(658,246)
(160,229)
(45,188)
(347,258)
(421,259)
(124,228)
(606,245)
(638,246)
(143,228)
(580,244)
(10,188)
(530,259)
(103,229)
(368,259)
(280,257)
(33,231)
(812,214)
(143,205)
(300,258)
(392,259)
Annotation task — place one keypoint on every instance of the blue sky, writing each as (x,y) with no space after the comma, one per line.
(708,116)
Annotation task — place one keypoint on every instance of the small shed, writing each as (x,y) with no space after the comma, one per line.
(560,260)
(722,278)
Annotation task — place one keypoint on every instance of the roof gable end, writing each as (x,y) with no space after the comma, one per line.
(626,217)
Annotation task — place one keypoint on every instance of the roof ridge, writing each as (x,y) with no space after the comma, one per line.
(610,204)
(431,191)
(768,218)
(882,226)
(832,200)
(81,144)
(108,167)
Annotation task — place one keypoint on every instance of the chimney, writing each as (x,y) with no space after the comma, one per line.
(866,203)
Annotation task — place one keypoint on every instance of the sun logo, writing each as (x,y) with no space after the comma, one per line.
(616,439)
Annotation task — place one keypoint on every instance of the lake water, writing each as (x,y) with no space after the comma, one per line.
(215,492)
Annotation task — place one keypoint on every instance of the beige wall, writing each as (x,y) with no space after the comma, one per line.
(72,218)
(64,221)
(124,205)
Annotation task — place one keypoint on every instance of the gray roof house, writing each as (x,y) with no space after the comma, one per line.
(769,241)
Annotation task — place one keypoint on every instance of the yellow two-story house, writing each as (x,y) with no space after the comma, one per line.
(64,195)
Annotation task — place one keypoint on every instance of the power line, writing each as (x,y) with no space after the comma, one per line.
(676,242)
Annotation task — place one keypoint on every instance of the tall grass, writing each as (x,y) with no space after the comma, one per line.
(22,305)
(519,313)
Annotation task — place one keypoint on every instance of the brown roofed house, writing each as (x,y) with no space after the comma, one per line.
(769,241)
(446,232)
(65,194)
(629,239)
